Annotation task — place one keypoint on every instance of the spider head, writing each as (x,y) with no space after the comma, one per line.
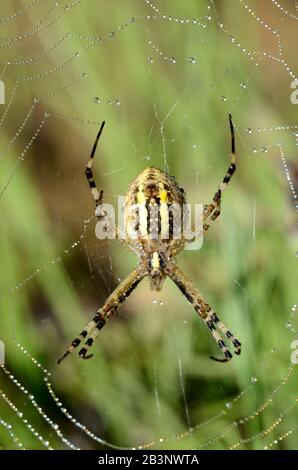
(156,270)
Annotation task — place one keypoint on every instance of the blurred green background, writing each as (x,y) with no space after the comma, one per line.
(164,80)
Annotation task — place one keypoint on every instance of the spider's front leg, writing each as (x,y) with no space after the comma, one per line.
(97,196)
(111,306)
(100,213)
(205,312)
(212,210)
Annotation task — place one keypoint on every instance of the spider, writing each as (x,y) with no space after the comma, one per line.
(156,189)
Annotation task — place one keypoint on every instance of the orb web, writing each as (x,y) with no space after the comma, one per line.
(164,78)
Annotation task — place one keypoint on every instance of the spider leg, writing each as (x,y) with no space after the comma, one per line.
(209,317)
(84,333)
(97,196)
(215,211)
(236,343)
(212,210)
(111,306)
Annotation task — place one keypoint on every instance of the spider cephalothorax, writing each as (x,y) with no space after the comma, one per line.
(154,221)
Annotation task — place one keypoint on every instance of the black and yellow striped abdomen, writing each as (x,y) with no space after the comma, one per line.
(154,194)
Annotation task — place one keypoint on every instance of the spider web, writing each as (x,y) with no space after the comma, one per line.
(164,78)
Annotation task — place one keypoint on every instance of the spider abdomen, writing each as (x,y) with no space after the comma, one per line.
(154,202)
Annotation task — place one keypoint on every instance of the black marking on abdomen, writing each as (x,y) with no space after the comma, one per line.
(147,205)
(171,221)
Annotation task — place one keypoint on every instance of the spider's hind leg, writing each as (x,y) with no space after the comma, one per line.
(111,306)
(96,320)
(212,321)
(209,317)
(236,343)
(84,350)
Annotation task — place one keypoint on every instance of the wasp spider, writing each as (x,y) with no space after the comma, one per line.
(155,189)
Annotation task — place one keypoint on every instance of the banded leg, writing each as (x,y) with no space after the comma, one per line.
(97,319)
(111,306)
(236,343)
(89,174)
(205,312)
(98,196)
(212,210)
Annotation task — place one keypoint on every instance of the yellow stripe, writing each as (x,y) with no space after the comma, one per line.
(164,219)
(140,195)
(155,260)
(164,213)
(143,219)
(141,200)
(163,195)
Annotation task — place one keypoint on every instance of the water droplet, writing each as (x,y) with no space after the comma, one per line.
(131,20)
(223,98)
(77,53)
(173,60)
(243,85)
(264,150)
(253,380)
(114,102)
(229,405)
(84,75)
(231,38)
(248,130)
(150,60)
(192,60)
(96,99)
